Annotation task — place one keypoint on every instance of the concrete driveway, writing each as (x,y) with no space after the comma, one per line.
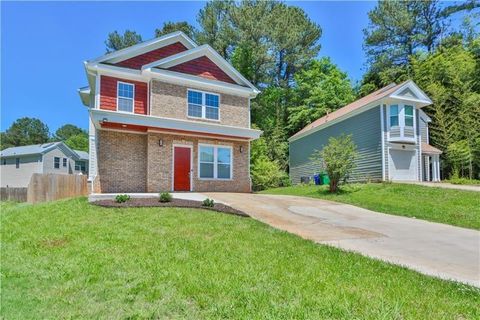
(431,248)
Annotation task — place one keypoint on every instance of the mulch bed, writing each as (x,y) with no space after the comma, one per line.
(175,203)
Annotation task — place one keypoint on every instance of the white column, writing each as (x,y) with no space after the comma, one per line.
(438,166)
(427,168)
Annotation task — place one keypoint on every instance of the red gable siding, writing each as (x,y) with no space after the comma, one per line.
(151,56)
(203,67)
(108,94)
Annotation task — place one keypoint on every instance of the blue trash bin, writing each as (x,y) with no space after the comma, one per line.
(316,178)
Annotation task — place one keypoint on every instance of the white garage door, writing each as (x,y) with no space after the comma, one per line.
(402,165)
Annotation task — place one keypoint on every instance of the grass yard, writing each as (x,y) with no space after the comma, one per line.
(69,259)
(456,207)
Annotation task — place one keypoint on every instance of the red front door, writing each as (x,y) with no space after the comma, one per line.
(181,169)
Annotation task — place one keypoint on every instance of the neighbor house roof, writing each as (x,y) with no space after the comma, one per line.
(428,149)
(42,149)
(391,90)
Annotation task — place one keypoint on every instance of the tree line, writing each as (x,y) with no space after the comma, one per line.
(27,131)
(276,46)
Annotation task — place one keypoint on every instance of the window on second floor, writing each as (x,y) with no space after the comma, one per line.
(408,111)
(56,162)
(125,97)
(203,105)
(394,116)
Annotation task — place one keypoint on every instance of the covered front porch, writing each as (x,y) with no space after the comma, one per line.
(431,163)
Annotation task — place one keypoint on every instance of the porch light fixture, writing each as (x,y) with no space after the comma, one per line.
(160,142)
(104,120)
(241,149)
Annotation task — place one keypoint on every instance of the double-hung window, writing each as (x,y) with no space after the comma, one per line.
(125,97)
(394,116)
(203,105)
(408,111)
(56,162)
(64,162)
(215,162)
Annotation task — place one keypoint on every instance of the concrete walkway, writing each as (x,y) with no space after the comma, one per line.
(446,185)
(431,248)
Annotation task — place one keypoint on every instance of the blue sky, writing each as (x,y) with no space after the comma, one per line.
(43,46)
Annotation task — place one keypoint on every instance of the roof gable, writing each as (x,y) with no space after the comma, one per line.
(211,64)
(145,58)
(407,90)
(145,47)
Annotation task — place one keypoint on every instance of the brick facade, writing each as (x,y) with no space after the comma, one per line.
(108,94)
(170,100)
(129,162)
(203,67)
(152,56)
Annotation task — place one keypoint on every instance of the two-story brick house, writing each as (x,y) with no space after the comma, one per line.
(168,115)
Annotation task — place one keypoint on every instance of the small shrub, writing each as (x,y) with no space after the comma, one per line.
(208,203)
(122,198)
(165,197)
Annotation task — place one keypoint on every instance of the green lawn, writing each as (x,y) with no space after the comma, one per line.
(69,259)
(455,207)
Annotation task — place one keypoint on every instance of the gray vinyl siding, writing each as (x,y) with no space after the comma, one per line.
(48,162)
(14,177)
(423,130)
(365,129)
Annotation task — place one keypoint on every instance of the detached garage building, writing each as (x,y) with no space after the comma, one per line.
(390,131)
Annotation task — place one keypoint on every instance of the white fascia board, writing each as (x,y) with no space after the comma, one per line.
(85,95)
(173,124)
(187,79)
(171,77)
(364,108)
(392,99)
(204,50)
(423,98)
(146,46)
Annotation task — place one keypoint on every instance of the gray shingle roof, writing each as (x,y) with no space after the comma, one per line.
(31,149)
(41,149)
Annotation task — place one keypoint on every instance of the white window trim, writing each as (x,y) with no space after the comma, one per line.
(133,97)
(215,161)
(204,105)
(401,122)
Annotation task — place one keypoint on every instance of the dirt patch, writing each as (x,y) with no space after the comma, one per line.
(175,203)
(53,243)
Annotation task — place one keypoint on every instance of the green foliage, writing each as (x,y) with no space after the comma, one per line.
(320,88)
(169,27)
(120,198)
(78,142)
(25,131)
(208,203)
(165,197)
(66,259)
(116,41)
(267,174)
(450,77)
(68,130)
(337,158)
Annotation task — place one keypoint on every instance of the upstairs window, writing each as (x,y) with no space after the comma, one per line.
(408,116)
(394,116)
(64,162)
(203,105)
(56,162)
(125,97)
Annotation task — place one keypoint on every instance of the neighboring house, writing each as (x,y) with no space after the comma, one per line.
(390,131)
(19,163)
(168,115)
